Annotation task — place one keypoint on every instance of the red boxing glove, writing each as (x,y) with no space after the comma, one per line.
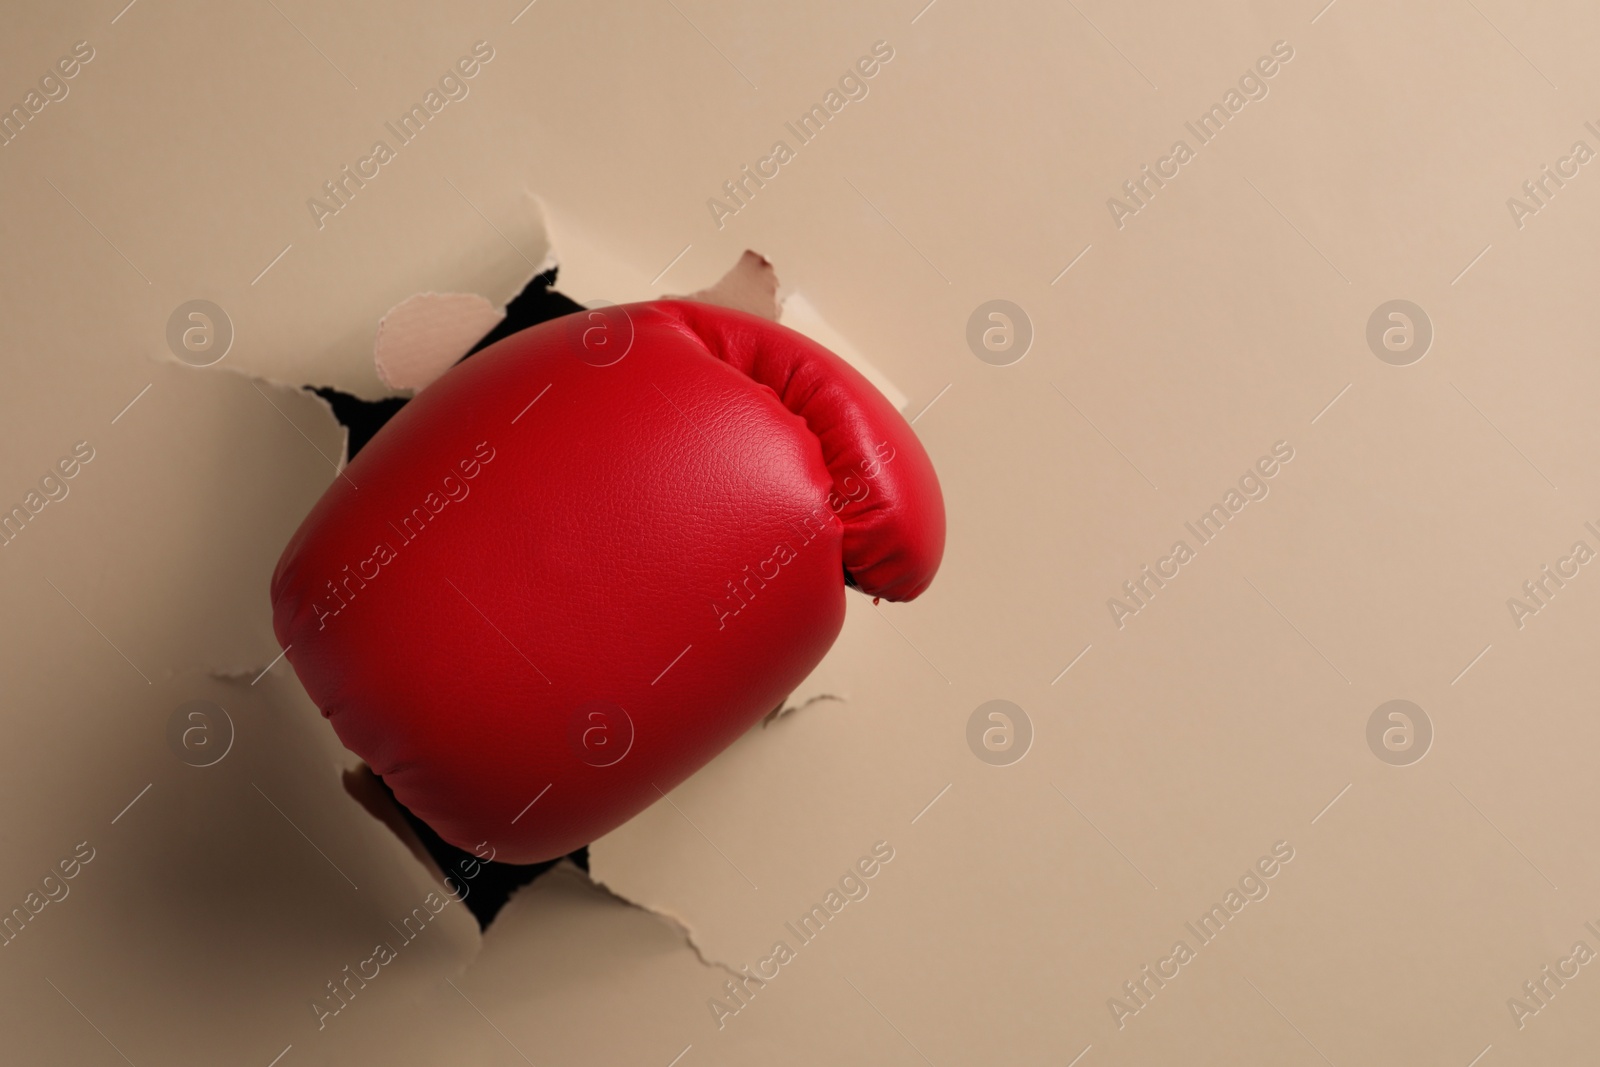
(584,561)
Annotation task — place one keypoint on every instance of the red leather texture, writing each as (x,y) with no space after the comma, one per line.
(581,563)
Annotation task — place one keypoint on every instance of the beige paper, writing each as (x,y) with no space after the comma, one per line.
(1148,360)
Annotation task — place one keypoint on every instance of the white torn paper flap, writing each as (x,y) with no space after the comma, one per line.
(424,335)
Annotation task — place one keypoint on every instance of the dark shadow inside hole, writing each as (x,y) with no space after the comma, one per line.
(484,885)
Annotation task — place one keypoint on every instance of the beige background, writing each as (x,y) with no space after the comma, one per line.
(1228,715)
